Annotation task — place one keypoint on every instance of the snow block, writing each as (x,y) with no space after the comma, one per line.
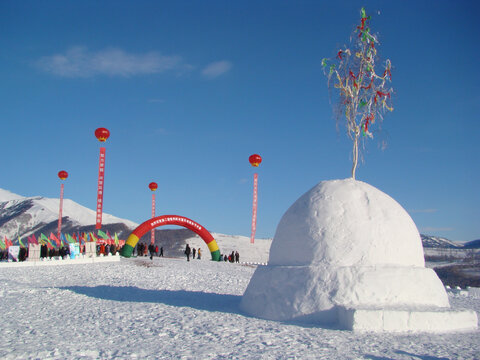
(312,293)
(398,320)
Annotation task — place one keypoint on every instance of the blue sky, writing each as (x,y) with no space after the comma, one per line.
(190,89)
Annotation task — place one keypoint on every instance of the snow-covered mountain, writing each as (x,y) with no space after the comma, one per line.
(429,241)
(24,216)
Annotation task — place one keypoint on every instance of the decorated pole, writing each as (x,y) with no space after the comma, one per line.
(153,186)
(363,94)
(102,135)
(255,161)
(62,175)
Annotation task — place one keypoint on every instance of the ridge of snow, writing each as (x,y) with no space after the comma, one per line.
(45,210)
(437,241)
(6,195)
(76,212)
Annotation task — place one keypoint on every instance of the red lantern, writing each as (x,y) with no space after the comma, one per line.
(62,175)
(102,134)
(153,186)
(255,160)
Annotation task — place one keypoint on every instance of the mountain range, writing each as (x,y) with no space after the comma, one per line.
(25,216)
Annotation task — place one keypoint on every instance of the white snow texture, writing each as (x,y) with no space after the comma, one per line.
(345,245)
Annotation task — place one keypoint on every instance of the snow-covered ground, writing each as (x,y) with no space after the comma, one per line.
(174,309)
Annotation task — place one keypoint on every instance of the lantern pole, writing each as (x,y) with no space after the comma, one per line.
(101,180)
(62,175)
(152,234)
(153,186)
(102,135)
(60,211)
(254,208)
(255,161)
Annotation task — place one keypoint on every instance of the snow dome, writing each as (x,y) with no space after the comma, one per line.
(346,253)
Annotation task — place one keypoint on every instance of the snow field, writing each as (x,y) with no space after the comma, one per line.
(171,308)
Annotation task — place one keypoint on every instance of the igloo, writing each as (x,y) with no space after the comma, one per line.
(348,255)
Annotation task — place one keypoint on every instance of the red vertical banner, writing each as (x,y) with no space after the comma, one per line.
(101,180)
(60,211)
(254,208)
(152,234)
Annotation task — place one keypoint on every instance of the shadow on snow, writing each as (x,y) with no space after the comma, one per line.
(194,299)
(181,298)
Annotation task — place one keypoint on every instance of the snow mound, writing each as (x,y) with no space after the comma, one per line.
(344,247)
(346,223)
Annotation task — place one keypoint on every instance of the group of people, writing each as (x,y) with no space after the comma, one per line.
(194,252)
(106,249)
(142,250)
(45,252)
(233,257)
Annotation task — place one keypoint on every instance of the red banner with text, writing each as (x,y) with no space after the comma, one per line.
(254,210)
(101,180)
(60,212)
(152,234)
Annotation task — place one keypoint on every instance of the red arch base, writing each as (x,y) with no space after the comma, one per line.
(148,225)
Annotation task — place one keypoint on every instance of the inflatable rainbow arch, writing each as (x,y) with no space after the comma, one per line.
(148,225)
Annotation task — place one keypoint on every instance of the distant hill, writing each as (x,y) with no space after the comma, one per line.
(429,241)
(26,216)
(475,244)
(23,216)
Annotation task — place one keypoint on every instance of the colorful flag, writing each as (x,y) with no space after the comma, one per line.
(8,243)
(45,237)
(54,238)
(32,240)
(116,239)
(102,234)
(20,242)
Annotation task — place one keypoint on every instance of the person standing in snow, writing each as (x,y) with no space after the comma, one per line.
(151,249)
(193,253)
(237,257)
(199,254)
(161,251)
(43,251)
(187,252)
(156,250)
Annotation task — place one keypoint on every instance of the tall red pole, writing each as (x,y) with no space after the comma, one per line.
(255,161)
(102,135)
(152,234)
(62,175)
(101,181)
(254,207)
(59,229)
(153,186)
